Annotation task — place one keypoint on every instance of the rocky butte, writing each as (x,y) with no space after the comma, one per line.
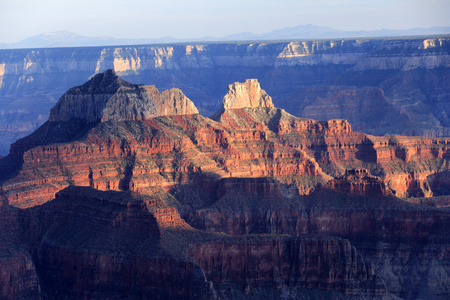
(247,94)
(108,97)
(126,192)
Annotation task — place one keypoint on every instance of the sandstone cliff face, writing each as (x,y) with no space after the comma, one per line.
(397,52)
(19,278)
(247,94)
(408,162)
(400,239)
(92,244)
(361,106)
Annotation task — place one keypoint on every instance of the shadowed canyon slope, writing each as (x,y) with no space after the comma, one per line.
(382,86)
(126,192)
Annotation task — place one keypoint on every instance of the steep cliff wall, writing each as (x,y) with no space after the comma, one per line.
(413,73)
(91,244)
(293,262)
(18,279)
(401,239)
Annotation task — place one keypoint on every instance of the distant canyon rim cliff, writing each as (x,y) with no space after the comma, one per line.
(381,86)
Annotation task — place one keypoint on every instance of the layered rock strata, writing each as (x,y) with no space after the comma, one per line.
(19,278)
(87,243)
(108,97)
(310,195)
(399,238)
(265,140)
(359,182)
(294,262)
(383,86)
(91,244)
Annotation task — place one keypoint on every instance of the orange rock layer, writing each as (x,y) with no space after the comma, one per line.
(168,151)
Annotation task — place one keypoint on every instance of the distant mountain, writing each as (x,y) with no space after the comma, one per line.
(298,32)
(321,32)
(69,39)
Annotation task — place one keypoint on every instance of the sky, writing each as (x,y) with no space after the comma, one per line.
(20,19)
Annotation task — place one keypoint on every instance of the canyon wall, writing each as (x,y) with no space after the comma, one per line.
(94,245)
(250,203)
(290,262)
(405,80)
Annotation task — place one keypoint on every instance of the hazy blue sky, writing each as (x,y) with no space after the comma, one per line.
(198,18)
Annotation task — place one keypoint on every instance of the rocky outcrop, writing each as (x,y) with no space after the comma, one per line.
(359,182)
(360,106)
(439,183)
(88,243)
(247,94)
(108,97)
(406,163)
(19,279)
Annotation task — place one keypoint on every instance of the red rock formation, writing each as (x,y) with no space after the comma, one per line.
(407,162)
(264,140)
(383,228)
(18,279)
(362,106)
(266,206)
(141,155)
(141,160)
(439,182)
(90,243)
(359,182)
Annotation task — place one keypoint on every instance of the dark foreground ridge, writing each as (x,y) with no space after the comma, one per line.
(138,196)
